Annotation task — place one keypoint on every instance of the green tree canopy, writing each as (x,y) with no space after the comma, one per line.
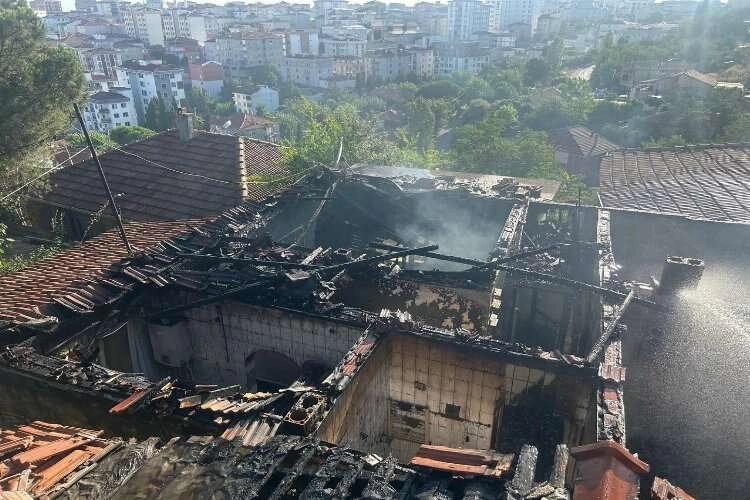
(38,86)
(126,134)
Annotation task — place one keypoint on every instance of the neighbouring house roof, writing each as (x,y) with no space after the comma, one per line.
(692,74)
(164,178)
(29,294)
(240,121)
(207,71)
(704,182)
(581,141)
(103,97)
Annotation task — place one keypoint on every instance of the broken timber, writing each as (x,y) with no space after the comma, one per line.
(596,349)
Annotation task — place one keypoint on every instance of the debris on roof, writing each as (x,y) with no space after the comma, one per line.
(43,458)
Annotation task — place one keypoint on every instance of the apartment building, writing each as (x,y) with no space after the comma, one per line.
(466,56)
(260,96)
(240,51)
(302,43)
(342,47)
(107,110)
(150,80)
(145,24)
(308,71)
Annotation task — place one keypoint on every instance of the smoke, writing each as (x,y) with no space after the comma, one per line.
(688,389)
(463,226)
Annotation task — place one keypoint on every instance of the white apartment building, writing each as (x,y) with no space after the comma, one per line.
(149,80)
(302,43)
(145,24)
(342,47)
(249,100)
(466,17)
(181,23)
(308,71)
(103,61)
(239,52)
(468,56)
(107,110)
(520,12)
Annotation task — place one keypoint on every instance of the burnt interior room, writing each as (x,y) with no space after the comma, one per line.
(414,390)
(543,311)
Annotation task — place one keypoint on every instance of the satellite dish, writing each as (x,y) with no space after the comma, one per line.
(227,124)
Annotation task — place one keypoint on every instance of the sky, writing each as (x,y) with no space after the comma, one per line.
(70,4)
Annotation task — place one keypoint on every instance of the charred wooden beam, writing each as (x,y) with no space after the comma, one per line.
(469,262)
(596,349)
(255,262)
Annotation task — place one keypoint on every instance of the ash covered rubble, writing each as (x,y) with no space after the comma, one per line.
(360,335)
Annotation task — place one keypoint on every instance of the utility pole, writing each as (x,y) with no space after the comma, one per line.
(115,210)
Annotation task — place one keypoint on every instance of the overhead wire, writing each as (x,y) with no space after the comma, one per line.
(59,166)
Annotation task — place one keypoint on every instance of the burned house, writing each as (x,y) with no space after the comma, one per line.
(466,332)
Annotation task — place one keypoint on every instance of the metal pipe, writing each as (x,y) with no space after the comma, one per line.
(115,210)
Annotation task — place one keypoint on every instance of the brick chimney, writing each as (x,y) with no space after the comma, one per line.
(184,124)
(607,471)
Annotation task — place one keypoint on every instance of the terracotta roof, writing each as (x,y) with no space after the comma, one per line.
(163,178)
(29,294)
(581,141)
(40,455)
(703,182)
(207,71)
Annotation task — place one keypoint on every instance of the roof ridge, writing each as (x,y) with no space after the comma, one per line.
(244,194)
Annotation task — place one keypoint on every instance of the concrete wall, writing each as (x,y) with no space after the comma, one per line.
(432,376)
(222,336)
(442,394)
(359,418)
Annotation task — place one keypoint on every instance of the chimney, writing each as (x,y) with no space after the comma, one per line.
(607,471)
(184,124)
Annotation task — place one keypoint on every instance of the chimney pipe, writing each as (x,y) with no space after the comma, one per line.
(184,124)
(680,273)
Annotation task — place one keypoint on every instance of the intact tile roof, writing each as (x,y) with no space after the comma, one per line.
(704,182)
(163,178)
(581,141)
(28,294)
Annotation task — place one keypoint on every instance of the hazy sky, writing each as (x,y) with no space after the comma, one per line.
(70,4)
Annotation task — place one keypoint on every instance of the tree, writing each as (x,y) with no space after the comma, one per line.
(38,86)
(421,121)
(439,88)
(158,116)
(537,71)
(266,74)
(126,134)
(313,133)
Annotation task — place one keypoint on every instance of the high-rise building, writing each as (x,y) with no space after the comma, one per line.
(467,17)
(145,24)
(86,5)
(520,12)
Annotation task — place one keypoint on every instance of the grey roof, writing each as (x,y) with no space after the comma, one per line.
(704,182)
(581,141)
